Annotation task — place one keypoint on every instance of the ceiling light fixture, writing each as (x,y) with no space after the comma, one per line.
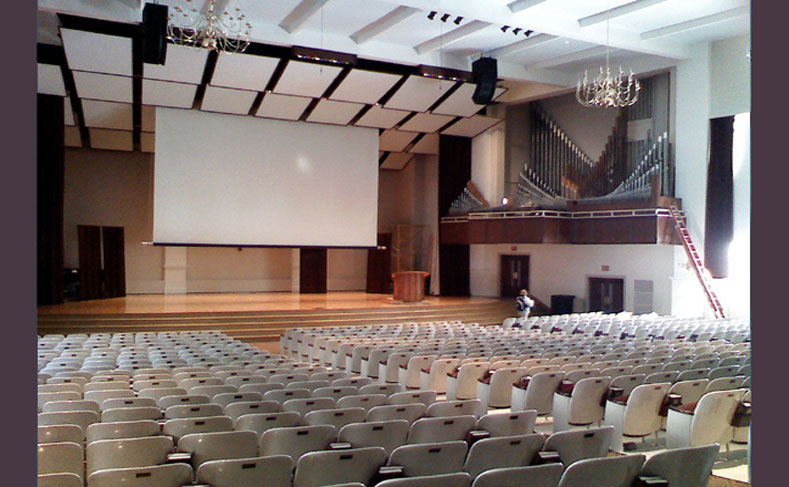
(444,17)
(529,32)
(607,90)
(432,15)
(458,20)
(208,29)
(516,30)
(504,28)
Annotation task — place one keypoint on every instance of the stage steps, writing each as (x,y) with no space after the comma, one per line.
(268,326)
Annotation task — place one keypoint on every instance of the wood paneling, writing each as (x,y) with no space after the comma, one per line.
(49,194)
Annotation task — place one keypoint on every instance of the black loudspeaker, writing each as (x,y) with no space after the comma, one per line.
(485,76)
(154,25)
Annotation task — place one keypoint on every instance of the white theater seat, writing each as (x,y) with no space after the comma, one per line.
(474,407)
(63,457)
(510,424)
(295,441)
(127,452)
(271,471)
(582,406)
(221,445)
(386,434)
(464,386)
(580,444)
(172,475)
(430,458)
(603,472)
(533,476)
(432,430)
(538,395)
(123,429)
(408,412)
(686,467)
(501,452)
(498,392)
(638,415)
(325,468)
(338,417)
(709,422)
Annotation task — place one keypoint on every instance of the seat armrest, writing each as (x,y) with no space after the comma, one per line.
(179,457)
(387,472)
(650,481)
(340,446)
(475,435)
(547,456)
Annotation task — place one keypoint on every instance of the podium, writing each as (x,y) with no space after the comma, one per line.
(409,286)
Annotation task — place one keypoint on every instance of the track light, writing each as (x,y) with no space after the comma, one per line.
(444,17)
(432,15)
(529,32)
(504,28)
(458,20)
(516,30)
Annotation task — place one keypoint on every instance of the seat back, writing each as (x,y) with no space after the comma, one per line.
(219,445)
(62,457)
(408,412)
(179,427)
(603,472)
(432,430)
(585,403)
(468,375)
(386,434)
(511,424)
(712,417)
(260,423)
(534,476)
(539,392)
(642,413)
(305,405)
(123,429)
(323,468)
(690,390)
(474,407)
(172,475)
(457,479)
(689,467)
(294,441)
(131,414)
(409,397)
(127,452)
(238,409)
(580,444)
(430,458)
(193,411)
(272,471)
(505,451)
(338,417)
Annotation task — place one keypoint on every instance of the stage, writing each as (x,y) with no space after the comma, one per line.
(260,318)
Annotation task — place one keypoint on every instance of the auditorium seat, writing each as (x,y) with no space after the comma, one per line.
(457,479)
(338,417)
(62,457)
(509,424)
(60,433)
(386,412)
(638,415)
(294,441)
(365,401)
(271,471)
(127,402)
(122,429)
(709,422)
(434,458)
(723,384)
(685,467)
(71,405)
(386,434)
(474,407)
(409,377)
(582,406)
(282,395)
(237,409)
(159,393)
(227,398)
(260,388)
(603,472)
(132,414)
(387,389)
(532,476)
(436,377)
(260,423)
(221,445)
(538,394)
(184,426)
(464,384)
(425,397)
(501,452)
(326,468)
(580,444)
(497,392)
(165,402)
(62,479)
(127,452)
(192,411)
(83,419)
(172,475)
(432,430)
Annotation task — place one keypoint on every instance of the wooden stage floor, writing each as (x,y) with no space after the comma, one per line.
(248,302)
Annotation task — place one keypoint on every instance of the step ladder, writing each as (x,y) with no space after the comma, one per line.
(698,266)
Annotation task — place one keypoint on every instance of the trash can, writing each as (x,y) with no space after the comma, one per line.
(562,304)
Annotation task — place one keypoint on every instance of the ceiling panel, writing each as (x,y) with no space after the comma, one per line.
(395,141)
(147,142)
(103,86)
(334,112)
(418,93)
(460,103)
(182,64)
(306,79)
(381,118)
(108,115)
(148,118)
(68,112)
(425,122)
(396,161)
(471,127)
(100,53)
(73,137)
(364,86)
(111,139)
(243,71)
(167,94)
(426,145)
(225,100)
(50,80)
(284,107)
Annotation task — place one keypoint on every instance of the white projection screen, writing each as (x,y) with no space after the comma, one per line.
(245,181)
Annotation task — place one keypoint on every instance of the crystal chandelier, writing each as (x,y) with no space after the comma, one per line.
(208,29)
(607,90)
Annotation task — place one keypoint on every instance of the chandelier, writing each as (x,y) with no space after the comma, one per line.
(209,29)
(607,90)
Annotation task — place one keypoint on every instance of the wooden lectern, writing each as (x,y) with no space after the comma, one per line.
(409,286)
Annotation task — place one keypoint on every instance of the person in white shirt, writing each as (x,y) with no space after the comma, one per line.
(524,304)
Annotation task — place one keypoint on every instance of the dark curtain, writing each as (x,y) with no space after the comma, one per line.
(719,218)
(312,270)
(50,167)
(114,262)
(454,171)
(89,240)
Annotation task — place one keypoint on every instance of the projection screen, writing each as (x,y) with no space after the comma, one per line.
(246,181)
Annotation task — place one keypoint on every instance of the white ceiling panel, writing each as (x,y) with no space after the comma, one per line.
(100,53)
(225,100)
(334,112)
(73,137)
(68,112)
(182,64)
(418,93)
(111,139)
(471,127)
(103,86)
(397,160)
(147,142)
(243,71)
(50,80)
(108,115)
(395,141)
(306,79)
(426,145)
(381,118)
(148,118)
(283,107)
(167,94)
(425,122)
(364,86)
(460,103)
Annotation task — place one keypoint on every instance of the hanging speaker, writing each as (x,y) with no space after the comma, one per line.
(485,76)
(154,25)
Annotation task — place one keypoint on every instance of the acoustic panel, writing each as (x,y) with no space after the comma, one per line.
(334,112)
(425,122)
(243,71)
(72,137)
(418,93)
(108,115)
(99,53)
(111,139)
(363,86)
(50,80)
(396,161)
(381,118)
(471,127)
(225,100)
(148,118)
(460,103)
(103,86)
(395,141)
(306,79)
(426,145)
(168,94)
(283,107)
(184,65)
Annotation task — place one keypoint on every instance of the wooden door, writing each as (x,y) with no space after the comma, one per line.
(606,294)
(312,270)
(514,274)
(379,266)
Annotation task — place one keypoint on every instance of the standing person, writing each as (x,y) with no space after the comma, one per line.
(524,304)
